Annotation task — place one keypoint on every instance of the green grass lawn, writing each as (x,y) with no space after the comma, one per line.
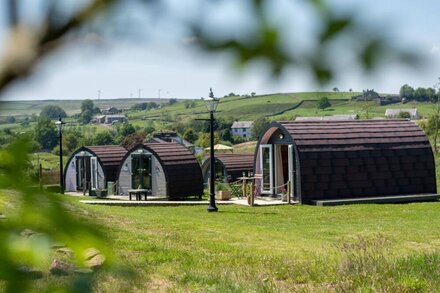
(385,248)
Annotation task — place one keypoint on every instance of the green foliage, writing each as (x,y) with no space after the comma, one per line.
(132,140)
(221,186)
(86,116)
(323,103)
(87,105)
(53,112)
(46,219)
(125,129)
(190,135)
(205,139)
(259,126)
(189,104)
(104,138)
(45,133)
(420,94)
(405,115)
(172,102)
(226,135)
(88,109)
(144,106)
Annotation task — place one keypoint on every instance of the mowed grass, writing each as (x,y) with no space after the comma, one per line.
(386,248)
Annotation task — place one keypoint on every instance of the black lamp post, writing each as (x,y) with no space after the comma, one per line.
(211,104)
(60,125)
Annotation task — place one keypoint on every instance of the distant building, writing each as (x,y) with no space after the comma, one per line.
(329,118)
(242,129)
(110,111)
(163,137)
(394,113)
(109,119)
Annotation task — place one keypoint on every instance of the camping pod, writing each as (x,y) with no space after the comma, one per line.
(92,167)
(228,167)
(168,170)
(329,160)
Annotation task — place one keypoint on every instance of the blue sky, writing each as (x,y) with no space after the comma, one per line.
(158,56)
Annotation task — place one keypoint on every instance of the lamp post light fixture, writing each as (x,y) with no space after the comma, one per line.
(211,105)
(60,125)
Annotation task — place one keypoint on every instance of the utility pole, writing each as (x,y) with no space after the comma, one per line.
(99,94)
(139,90)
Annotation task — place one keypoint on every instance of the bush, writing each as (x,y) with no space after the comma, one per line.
(405,115)
(323,103)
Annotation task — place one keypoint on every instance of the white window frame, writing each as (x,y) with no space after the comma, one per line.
(270,147)
(94,172)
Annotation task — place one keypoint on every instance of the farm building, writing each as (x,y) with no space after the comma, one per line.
(167,169)
(228,167)
(242,129)
(322,160)
(92,166)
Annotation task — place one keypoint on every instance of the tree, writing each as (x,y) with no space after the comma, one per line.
(46,134)
(323,103)
(211,93)
(406,92)
(103,138)
(335,89)
(253,94)
(172,101)
(86,116)
(53,112)
(259,125)
(87,105)
(421,95)
(126,129)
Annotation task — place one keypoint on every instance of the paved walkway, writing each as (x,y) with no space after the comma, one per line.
(156,201)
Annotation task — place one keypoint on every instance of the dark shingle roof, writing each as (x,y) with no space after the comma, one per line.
(182,171)
(110,157)
(363,158)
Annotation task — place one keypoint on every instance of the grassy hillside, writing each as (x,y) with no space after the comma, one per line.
(276,106)
(244,108)
(19,108)
(273,106)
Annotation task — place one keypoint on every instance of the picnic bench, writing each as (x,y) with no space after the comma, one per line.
(138,193)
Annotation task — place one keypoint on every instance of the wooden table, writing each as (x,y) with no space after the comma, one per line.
(139,193)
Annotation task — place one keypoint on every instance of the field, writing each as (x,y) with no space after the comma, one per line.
(357,248)
(26,108)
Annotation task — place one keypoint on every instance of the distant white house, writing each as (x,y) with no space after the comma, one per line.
(109,119)
(329,118)
(242,129)
(394,113)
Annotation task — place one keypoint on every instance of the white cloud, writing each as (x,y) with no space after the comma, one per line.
(435,49)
